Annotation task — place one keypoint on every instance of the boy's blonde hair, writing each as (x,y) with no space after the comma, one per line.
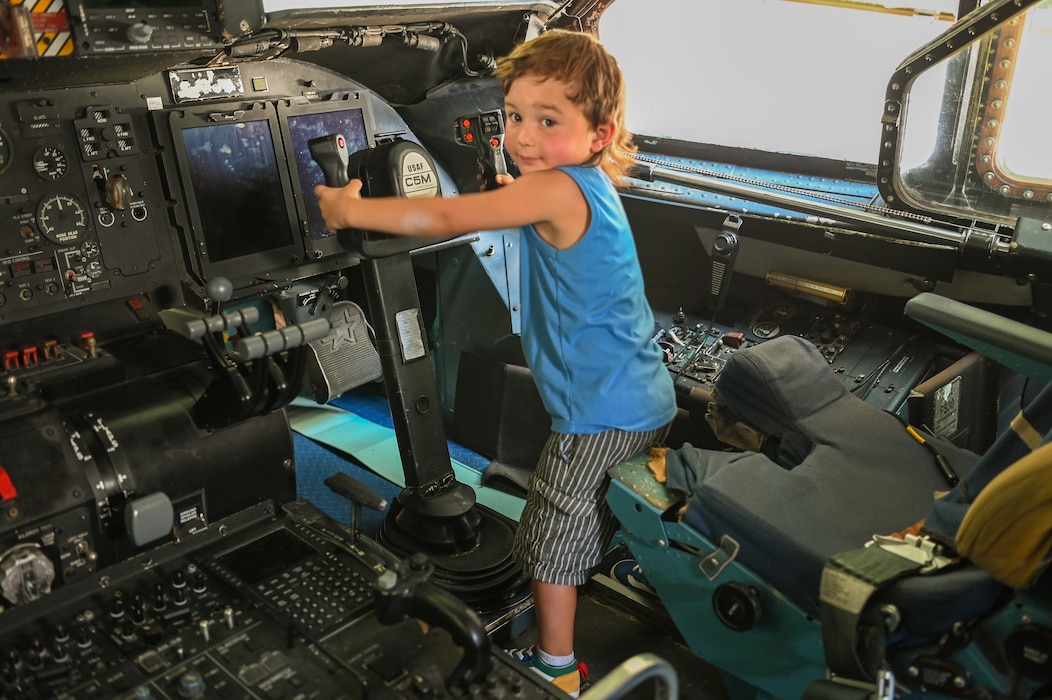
(594,80)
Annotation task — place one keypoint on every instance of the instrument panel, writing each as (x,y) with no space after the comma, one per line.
(81,212)
(158,186)
(877,363)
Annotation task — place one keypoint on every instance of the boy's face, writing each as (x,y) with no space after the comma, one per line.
(544,129)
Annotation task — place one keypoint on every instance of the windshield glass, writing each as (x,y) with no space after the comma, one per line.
(972,138)
(776,75)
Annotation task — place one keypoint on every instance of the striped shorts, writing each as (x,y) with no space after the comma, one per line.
(566,523)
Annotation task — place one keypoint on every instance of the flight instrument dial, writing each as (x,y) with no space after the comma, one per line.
(50,162)
(62,219)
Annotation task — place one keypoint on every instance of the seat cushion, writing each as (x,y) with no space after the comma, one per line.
(864,474)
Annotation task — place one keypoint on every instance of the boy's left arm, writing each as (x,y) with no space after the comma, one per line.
(537,199)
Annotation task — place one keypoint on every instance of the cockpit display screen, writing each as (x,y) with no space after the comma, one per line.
(234,173)
(303,128)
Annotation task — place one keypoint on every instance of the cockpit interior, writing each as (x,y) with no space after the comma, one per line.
(243,455)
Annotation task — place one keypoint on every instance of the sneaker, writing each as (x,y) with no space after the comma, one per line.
(628,573)
(570,682)
(526,655)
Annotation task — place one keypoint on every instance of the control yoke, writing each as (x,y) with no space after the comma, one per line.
(396,168)
(331,155)
(485,133)
(435,513)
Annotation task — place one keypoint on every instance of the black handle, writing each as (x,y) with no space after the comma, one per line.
(404,591)
(724,251)
(355,491)
(485,132)
(330,153)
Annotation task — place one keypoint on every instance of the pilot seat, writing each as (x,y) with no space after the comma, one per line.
(803,568)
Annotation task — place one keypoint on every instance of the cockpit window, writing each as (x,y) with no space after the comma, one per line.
(972,138)
(785,76)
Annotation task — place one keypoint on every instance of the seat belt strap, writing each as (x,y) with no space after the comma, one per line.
(854,633)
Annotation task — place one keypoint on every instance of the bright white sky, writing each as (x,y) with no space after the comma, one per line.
(778,75)
(768,74)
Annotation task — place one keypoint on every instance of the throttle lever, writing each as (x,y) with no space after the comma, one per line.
(484,132)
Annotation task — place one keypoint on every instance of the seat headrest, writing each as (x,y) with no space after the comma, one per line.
(777,385)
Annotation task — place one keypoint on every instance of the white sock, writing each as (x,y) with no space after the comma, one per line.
(555,661)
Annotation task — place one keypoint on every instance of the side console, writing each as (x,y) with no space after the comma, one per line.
(259,605)
(876,363)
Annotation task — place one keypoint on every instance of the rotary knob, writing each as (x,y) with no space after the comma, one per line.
(191,685)
(140,33)
(736,605)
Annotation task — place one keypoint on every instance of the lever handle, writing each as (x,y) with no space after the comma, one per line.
(404,591)
(724,252)
(355,491)
(330,153)
(280,340)
(485,132)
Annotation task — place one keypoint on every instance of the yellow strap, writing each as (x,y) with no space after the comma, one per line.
(1026,432)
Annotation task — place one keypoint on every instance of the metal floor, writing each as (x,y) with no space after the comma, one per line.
(608,633)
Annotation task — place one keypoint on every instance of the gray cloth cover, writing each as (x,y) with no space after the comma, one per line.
(864,474)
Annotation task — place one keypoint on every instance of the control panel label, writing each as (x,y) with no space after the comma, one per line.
(418,177)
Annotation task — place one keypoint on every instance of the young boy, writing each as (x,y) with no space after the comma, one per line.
(587,327)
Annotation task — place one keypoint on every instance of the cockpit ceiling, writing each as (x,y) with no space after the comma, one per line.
(399,69)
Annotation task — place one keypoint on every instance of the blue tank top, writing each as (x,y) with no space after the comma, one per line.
(587,329)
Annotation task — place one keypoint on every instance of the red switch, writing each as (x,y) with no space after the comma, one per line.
(733,339)
(8,492)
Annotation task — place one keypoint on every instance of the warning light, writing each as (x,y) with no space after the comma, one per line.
(469,137)
(494,142)
(339,141)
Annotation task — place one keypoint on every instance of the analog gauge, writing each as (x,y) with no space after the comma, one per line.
(765,330)
(62,219)
(89,250)
(50,162)
(5,151)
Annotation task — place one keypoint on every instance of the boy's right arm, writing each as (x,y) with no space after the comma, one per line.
(502,180)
